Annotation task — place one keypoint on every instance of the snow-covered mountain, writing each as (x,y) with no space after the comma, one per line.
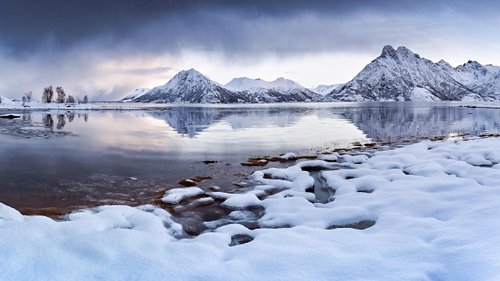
(399,74)
(396,75)
(190,86)
(135,94)
(279,90)
(323,90)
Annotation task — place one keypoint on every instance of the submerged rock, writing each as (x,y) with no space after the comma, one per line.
(10,116)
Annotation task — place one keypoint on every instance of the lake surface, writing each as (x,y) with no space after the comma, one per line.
(84,158)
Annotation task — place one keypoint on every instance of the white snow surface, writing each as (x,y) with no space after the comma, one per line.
(325,89)
(139,92)
(176,195)
(288,156)
(258,85)
(435,207)
(5,102)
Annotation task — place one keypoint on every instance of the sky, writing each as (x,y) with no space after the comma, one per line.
(105,49)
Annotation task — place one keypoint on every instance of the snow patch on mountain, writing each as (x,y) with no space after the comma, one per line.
(279,90)
(139,92)
(255,85)
(421,94)
(325,89)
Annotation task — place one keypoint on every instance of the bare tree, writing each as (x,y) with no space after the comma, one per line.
(61,95)
(0,100)
(48,94)
(28,96)
(85,99)
(70,99)
(24,100)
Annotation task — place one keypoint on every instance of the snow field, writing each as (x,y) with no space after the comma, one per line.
(435,206)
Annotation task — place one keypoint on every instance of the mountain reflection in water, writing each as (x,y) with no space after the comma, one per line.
(66,158)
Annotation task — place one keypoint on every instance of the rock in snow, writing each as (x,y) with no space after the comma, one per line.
(10,116)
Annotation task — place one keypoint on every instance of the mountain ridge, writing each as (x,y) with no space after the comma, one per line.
(190,86)
(395,75)
(401,75)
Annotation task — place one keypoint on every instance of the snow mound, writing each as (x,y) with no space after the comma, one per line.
(176,195)
(242,201)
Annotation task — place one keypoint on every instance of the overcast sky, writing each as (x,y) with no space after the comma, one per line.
(107,48)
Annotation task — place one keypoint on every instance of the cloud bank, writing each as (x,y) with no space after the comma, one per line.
(107,48)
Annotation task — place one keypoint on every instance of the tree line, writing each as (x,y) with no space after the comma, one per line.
(48,96)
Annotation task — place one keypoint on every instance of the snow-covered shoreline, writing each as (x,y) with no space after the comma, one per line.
(434,206)
(10,105)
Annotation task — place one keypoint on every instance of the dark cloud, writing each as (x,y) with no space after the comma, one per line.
(26,25)
(66,41)
(148,71)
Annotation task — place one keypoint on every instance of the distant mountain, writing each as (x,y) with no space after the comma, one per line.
(396,75)
(190,86)
(399,75)
(135,94)
(323,90)
(279,90)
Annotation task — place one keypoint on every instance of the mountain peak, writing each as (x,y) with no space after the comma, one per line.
(190,72)
(402,50)
(388,51)
(443,63)
(190,76)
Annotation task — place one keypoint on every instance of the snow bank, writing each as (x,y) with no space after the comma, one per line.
(176,195)
(34,105)
(242,201)
(6,102)
(434,205)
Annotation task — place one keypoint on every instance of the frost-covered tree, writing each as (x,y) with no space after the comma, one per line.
(0,100)
(85,99)
(61,95)
(70,99)
(48,94)
(28,96)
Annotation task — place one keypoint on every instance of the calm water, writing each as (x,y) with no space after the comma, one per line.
(85,158)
